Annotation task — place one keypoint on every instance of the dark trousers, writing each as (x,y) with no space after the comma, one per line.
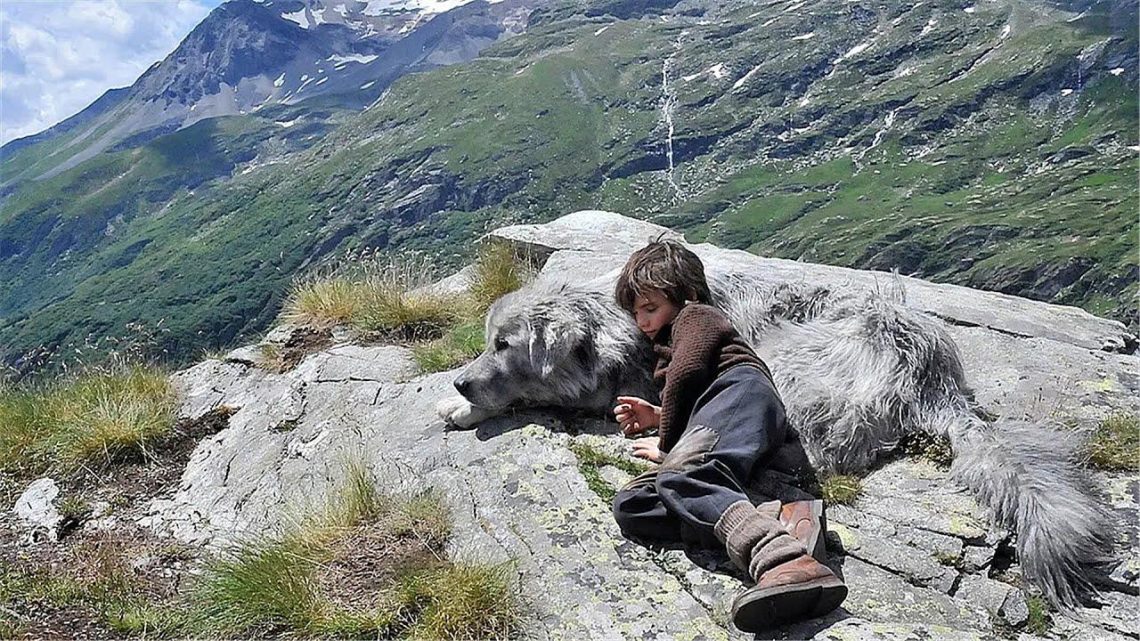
(734,425)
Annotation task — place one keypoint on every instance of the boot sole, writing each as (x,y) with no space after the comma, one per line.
(760,609)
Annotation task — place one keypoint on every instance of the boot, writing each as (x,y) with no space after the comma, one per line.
(804,520)
(802,588)
(790,584)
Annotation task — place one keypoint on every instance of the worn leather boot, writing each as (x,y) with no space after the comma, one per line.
(804,520)
(790,584)
(798,589)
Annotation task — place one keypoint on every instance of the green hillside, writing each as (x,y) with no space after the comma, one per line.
(990,145)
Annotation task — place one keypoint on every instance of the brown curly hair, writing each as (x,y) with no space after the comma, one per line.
(664,265)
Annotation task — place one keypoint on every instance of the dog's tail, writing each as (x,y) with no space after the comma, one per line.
(1030,476)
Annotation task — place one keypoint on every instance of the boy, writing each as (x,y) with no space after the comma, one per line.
(719,415)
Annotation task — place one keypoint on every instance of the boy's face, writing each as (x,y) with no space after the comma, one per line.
(652,311)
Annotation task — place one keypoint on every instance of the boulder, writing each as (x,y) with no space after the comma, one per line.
(36,510)
(515,489)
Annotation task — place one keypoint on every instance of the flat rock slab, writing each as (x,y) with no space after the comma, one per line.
(612,234)
(919,550)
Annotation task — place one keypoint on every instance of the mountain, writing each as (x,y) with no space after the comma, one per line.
(990,144)
(249,55)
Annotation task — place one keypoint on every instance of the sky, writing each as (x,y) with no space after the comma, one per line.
(58,56)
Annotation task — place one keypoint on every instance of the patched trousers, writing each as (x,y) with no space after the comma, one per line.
(734,425)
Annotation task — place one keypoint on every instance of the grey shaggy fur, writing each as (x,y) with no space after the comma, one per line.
(857,374)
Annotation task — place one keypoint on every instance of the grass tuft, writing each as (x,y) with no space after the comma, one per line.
(1040,622)
(840,489)
(389,296)
(462,602)
(499,270)
(371,565)
(93,418)
(458,345)
(393,298)
(1115,445)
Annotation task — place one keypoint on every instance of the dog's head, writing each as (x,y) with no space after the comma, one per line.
(549,346)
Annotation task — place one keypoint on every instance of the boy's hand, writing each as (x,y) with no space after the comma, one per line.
(636,415)
(647,449)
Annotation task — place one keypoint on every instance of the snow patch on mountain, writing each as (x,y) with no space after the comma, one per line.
(361,58)
(300,17)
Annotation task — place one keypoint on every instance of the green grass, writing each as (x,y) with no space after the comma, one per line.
(1040,621)
(591,460)
(375,295)
(1115,445)
(395,299)
(97,579)
(90,419)
(498,270)
(307,582)
(840,489)
(458,345)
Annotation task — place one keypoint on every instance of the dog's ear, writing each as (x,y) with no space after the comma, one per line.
(553,342)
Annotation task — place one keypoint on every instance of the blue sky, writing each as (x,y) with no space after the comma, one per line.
(58,56)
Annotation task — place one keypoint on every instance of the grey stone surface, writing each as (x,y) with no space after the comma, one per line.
(516,492)
(913,564)
(246,355)
(917,494)
(977,557)
(877,594)
(1001,600)
(37,511)
(600,233)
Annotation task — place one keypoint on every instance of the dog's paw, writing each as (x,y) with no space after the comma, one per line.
(459,412)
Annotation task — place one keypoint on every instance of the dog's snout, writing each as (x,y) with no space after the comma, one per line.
(462,385)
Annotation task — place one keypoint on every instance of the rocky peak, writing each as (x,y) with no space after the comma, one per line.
(237,40)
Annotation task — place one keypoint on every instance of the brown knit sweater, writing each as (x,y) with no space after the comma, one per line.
(697,347)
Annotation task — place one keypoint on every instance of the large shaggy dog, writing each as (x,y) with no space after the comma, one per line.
(856,372)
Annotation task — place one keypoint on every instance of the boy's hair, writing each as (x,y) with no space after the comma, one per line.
(664,265)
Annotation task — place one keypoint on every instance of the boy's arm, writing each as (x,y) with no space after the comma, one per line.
(697,333)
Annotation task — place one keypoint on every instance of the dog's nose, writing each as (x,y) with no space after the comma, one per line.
(462,385)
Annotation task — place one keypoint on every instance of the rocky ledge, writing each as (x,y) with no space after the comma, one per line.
(918,554)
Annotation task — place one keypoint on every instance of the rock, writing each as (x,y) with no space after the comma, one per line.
(599,232)
(976,558)
(356,363)
(453,285)
(515,490)
(916,566)
(251,355)
(1002,600)
(878,595)
(36,508)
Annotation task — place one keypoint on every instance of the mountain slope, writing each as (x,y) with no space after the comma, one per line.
(992,145)
(249,55)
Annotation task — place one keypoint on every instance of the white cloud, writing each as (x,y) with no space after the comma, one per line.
(57,57)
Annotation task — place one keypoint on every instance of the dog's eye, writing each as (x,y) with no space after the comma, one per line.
(501,344)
